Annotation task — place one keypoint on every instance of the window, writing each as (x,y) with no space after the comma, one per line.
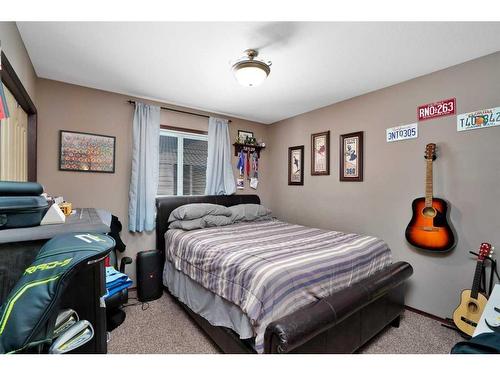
(13,141)
(183,163)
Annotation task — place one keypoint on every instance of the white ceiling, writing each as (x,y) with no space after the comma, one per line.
(313,64)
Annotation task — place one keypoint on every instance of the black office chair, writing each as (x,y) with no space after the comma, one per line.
(114,312)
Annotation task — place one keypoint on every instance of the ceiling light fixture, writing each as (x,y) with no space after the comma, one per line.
(249,71)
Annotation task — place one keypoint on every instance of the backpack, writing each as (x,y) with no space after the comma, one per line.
(27,317)
(485,343)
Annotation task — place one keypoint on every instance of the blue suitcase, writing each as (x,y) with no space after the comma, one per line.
(21,204)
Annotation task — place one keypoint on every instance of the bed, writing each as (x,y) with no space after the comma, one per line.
(275,287)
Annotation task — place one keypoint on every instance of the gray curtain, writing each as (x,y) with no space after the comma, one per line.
(220,178)
(145,168)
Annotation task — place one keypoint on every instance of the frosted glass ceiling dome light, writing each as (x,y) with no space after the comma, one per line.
(251,72)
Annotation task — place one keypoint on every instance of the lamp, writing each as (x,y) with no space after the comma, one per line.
(251,72)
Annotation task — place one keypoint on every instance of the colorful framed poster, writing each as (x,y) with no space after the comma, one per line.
(296,165)
(400,133)
(320,154)
(351,157)
(485,118)
(442,108)
(86,152)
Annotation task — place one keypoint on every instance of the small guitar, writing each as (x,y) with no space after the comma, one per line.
(472,303)
(429,228)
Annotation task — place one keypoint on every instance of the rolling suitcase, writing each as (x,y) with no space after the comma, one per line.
(21,204)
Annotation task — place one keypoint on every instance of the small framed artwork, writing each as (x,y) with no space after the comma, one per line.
(351,157)
(296,165)
(86,152)
(240,183)
(320,154)
(243,135)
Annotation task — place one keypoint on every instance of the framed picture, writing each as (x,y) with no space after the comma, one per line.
(351,157)
(86,152)
(320,154)
(296,165)
(243,135)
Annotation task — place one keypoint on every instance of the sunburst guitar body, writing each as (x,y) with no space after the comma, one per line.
(472,302)
(429,228)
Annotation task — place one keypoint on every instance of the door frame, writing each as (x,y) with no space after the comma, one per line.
(11,80)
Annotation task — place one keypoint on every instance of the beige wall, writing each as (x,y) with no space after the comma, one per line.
(70,107)
(466,173)
(13,47)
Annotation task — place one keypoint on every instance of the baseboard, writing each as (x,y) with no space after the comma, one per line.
(426,314)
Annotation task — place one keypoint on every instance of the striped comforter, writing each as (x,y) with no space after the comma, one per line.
(271,268)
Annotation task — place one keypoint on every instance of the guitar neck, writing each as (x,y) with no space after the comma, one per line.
(477,279)
(428,183)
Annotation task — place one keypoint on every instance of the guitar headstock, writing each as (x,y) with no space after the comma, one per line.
(430,151)
(485,250)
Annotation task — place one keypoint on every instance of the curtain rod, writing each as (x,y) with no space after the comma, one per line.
(179,111)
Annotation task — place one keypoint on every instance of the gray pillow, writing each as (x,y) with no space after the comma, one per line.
(248,212)
(187,224)
(207,221)
(265,217)
(217,221)
(197,210)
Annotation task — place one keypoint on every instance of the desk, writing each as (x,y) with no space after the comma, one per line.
(489,313)
(81,220)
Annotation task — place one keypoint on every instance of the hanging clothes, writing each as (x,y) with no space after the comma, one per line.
(254,181)
(247,164)
(241,163)
(4,110)
(255,164)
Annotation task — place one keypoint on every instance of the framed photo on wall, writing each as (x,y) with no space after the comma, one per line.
(320,154)
(86,152)
(243,135)
(351,157)
(296,165)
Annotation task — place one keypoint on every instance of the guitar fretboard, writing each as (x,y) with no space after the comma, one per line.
(477,279)
(428,184)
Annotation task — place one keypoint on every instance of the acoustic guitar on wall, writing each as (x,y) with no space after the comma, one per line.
(472,303)
(429,228)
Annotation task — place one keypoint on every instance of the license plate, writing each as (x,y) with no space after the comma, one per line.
(438,109)
(400,133)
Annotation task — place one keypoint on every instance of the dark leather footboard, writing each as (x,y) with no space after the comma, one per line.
(345,320)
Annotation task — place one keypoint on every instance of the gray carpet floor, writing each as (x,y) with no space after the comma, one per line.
(164,327)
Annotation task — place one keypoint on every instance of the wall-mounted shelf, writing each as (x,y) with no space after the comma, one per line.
(241,146)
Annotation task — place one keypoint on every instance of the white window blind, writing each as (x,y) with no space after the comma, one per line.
(183,163)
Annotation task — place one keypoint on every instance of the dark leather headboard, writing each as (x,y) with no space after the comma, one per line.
(165,205)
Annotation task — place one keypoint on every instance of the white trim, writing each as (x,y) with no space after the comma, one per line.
(180,165)
(177,133)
